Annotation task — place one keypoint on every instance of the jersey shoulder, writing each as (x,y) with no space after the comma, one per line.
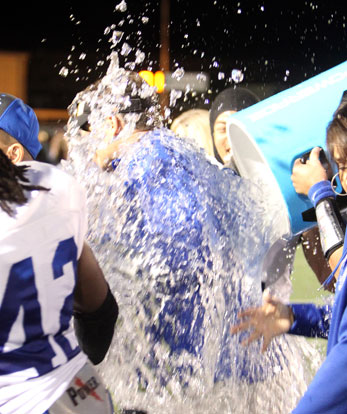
(62,186)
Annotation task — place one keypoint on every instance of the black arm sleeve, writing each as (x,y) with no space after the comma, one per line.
(94,330)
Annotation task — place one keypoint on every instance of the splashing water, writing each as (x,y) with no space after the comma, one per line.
(237,76)
(122,6)
(181,242)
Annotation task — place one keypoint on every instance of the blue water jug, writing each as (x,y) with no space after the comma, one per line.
(267,137)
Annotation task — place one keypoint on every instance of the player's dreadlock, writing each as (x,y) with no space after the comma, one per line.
(12,184)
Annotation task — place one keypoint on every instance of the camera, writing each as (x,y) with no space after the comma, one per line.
(322,158)
(310,214)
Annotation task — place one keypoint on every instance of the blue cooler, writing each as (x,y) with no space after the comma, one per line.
(267,137)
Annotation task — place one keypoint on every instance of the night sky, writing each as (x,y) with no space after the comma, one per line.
(269,41)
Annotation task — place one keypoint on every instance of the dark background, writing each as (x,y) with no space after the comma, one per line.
(278,43)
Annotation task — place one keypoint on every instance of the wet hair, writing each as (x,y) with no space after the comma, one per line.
(13,183)
(337,129)
(147,108)
(146,105)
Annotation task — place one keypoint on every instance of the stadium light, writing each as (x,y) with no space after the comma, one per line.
(156,79)
(194,81)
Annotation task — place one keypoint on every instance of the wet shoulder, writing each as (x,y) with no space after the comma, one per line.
(162,152)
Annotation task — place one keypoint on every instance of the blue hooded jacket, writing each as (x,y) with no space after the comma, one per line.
(200,223)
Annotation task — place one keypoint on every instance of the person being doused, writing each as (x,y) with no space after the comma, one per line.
(172,226)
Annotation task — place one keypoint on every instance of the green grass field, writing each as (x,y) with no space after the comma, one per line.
(305,283)
(305,289)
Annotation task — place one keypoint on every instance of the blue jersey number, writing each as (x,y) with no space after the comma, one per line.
(21,291)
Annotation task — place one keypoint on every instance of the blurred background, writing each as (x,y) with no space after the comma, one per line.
(50,51)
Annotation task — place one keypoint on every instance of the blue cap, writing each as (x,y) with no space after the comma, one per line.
(20,121)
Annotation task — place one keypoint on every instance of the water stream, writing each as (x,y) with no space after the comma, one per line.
(181,242)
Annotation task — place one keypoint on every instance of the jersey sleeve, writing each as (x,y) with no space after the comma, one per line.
(82,225)
(66,201)
(327,392)
(70,196)
(311,320)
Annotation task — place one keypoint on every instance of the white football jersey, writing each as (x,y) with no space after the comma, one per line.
(39,249)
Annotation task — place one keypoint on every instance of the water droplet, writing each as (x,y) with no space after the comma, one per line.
(64,72)
(140,56)
(126,49)
(114,63)
(178,74)
(117,36)
(82,56)
(201,77)
(221,75)
(174,95)
(237,76)
(167,112)
(145,20)
(129,65)
(122,6)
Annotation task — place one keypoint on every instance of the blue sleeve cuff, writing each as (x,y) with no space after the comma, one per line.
(311,320)
(320,191)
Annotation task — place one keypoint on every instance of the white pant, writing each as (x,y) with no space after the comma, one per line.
(86,394)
